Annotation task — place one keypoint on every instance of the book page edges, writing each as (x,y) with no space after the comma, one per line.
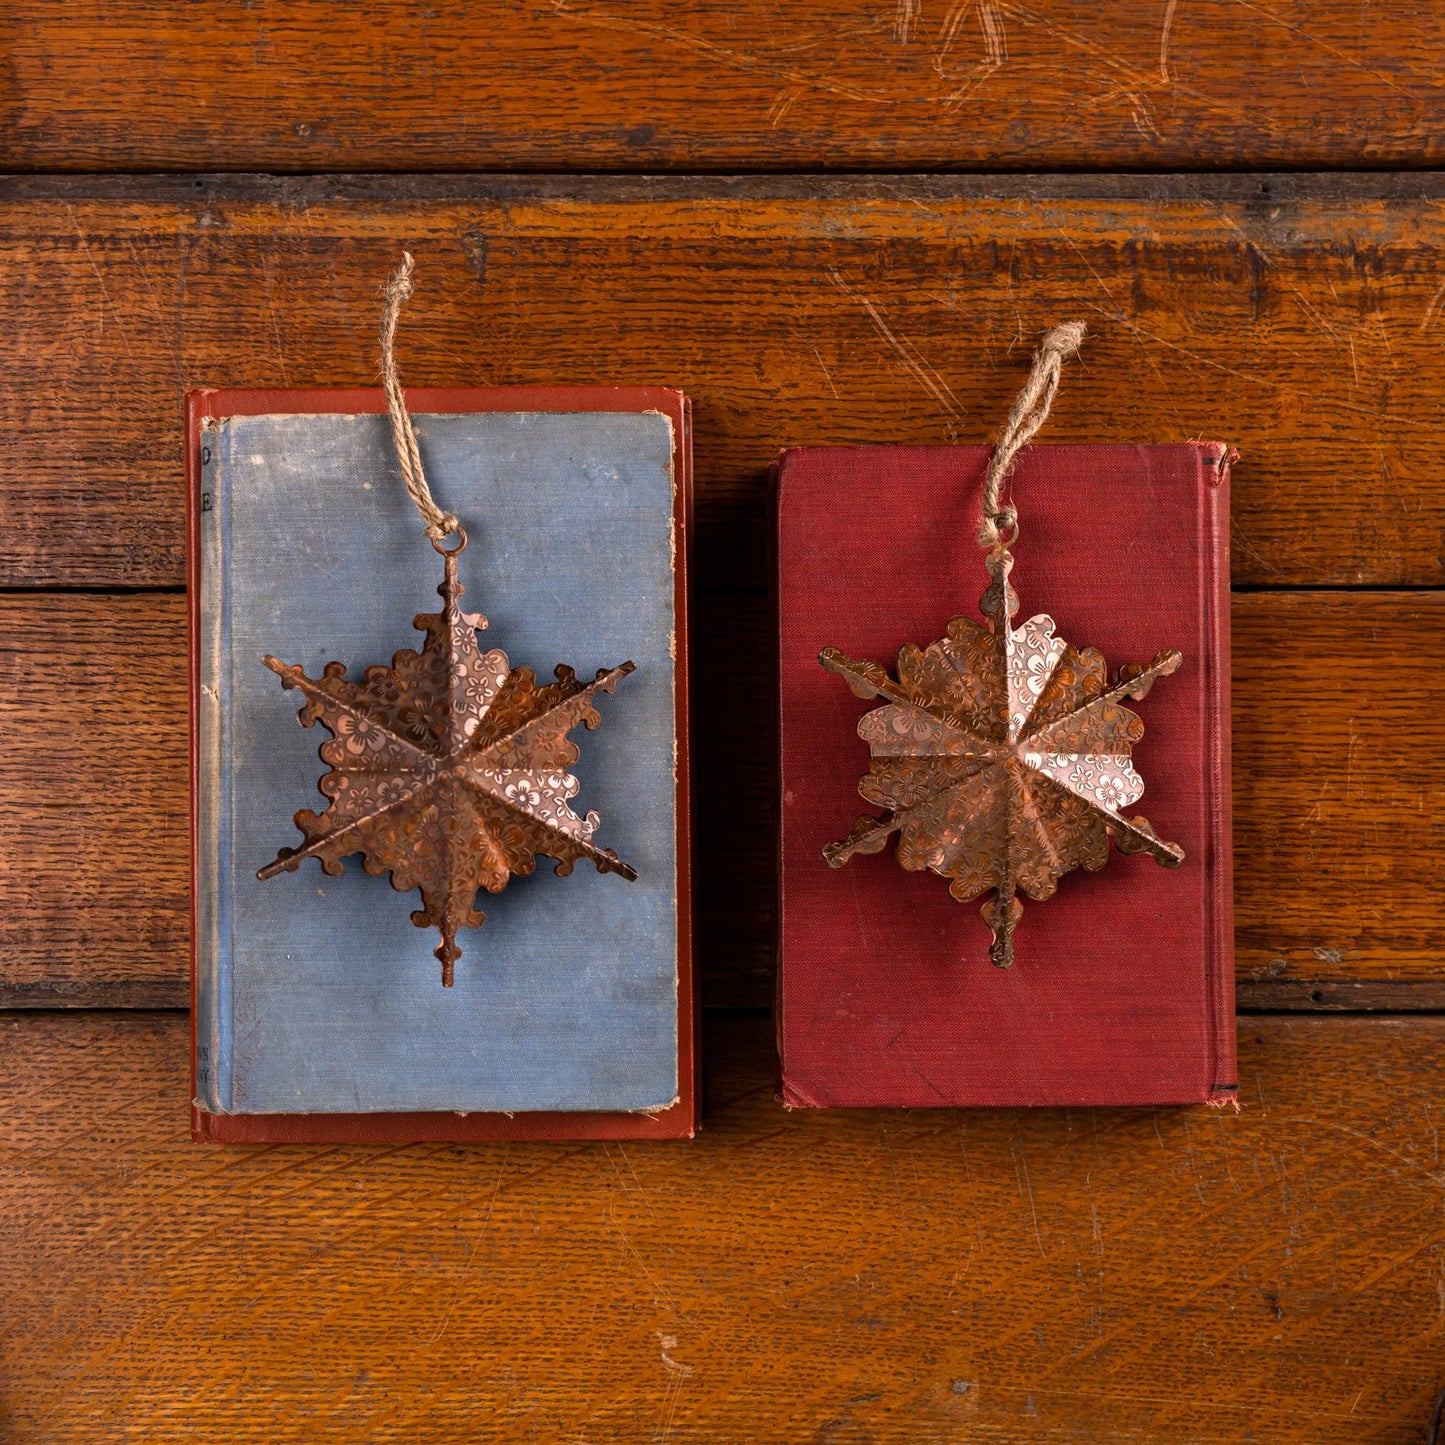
(1222,1088)
(209,643)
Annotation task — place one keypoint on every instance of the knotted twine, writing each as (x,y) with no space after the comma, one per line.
(439,524)
(1029,413)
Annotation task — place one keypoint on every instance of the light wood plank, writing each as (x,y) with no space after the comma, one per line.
(1155,1275)
(1298,319)
(720,84)
(1339,822)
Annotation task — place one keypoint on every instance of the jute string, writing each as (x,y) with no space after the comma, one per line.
(1029,413)
(438,523)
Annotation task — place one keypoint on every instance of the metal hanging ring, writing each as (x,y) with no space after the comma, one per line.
(460,534)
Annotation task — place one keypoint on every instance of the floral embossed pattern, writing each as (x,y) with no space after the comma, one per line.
(1002,755)
(448,770)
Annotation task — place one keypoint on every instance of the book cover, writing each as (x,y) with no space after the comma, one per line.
(318,1008)
(1123,982)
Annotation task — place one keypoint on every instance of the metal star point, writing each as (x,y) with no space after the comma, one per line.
(448,769)
(1003,757)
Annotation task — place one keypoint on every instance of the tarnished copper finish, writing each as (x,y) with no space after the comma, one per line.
(1003,757)
(448,769)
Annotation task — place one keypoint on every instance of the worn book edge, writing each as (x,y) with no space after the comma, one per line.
(1215,461)
(210,721)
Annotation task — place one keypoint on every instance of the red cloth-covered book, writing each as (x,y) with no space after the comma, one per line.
(1122,987)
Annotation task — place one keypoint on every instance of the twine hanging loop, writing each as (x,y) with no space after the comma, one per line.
(439,524)
(1030,411)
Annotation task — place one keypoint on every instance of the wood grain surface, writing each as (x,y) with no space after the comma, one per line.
(720,84)
(838,1278)
(847,1278)
(95,846)
(1339,817)
(1301,320)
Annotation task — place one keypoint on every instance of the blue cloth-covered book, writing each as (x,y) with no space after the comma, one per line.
(319,1012)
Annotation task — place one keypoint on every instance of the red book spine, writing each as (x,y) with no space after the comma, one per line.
(1215,461)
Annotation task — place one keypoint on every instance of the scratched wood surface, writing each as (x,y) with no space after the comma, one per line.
(839,1278)
(842,1279)
(1329,783)
(720,84)
(1301,320)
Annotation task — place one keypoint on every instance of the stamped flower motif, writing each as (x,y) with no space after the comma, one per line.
(388,791)
(1032,658)
(525,795)
(1112,783)
(359,734)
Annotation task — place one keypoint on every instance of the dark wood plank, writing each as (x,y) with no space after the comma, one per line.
(1300,320)
(847,1277)
(1339,825)
(643,85)
(94,814)
(1339,816)
(1340,995)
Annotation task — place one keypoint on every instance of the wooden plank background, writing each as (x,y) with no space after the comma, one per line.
(841,1276)
(850,1277)
(1324,786)
(639,85)
(1300,319)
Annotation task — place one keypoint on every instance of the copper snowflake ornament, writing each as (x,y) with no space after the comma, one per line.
(448,769)
(1002,756)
